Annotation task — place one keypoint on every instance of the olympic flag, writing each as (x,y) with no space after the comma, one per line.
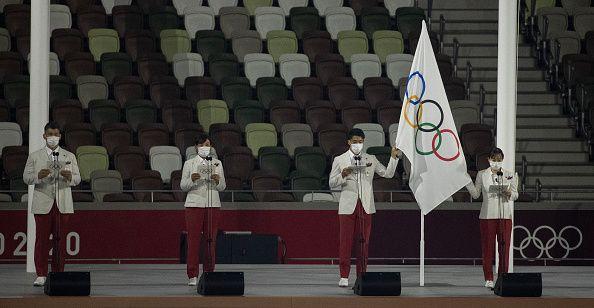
(427,134)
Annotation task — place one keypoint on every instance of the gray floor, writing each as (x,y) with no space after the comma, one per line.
(295,280)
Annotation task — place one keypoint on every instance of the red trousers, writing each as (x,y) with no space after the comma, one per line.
(46,224)
(490,228)
(350,226)
(197,227)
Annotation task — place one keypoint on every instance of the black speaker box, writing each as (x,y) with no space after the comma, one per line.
(68,284)
(378,284)
(221,283)
(519,285)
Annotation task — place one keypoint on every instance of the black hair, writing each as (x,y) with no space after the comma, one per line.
(496,151)
(356,132)
(51,125)
(201,138)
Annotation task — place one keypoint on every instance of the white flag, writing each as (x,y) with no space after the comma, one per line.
(427,134)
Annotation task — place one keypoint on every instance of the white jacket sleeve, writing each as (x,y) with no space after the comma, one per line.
(29,174)
(186,184)
(476,188)
(386,172)
(514,188)
(336,180)
(75,172)
(222,185)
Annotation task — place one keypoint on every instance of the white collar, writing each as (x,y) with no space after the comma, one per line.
(50,151)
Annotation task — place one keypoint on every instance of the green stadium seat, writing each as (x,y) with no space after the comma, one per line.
(174,41)
(91,158)
(387,42)
(258,135)
(212,111)
(102,41)
(350,43)
(281,42)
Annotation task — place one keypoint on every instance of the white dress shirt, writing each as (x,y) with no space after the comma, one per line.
(494,207)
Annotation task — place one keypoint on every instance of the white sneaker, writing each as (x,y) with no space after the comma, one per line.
(489,284)
(193,281)
(343,282)
(39,282)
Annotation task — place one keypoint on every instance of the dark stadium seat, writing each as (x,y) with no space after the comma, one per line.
(149,180)
(4,111)
(274,160)
(138,43)
(60,88)
(115,64)
(271,89)
(446,68)
(91,18)
(126,18)
(359,5)
(179,195)
(263,182)
(233,19)
(408,19)
(151,65)
(11,63)
(318,113)
(77,134)
(23,42)
(210,43)
(16,87)
(162,88)
(198,88)
(140,111)
(317,43)
(152,134)
(235,89)
(455,88)
(114,135)
(129,161)
(185,135)
(14,158)
(247,112)
(374,19)
(355,112)
(307,89)
(245,42)
(176,112)
(330,66)
(283,112)
(17,17)
(67,111)
(332,137)
(103,112)
(77,6)
(78,64)
(388,113)
(223,65)
(342,90)
(304,20)
(381,185)
(310,161)
(377,90)
(238,162)
(476,139)
(65,41)
(162,18)
(224,135)
(127,88)
(303,181)
(22,114)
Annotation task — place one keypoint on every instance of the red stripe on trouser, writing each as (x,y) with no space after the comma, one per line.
(489,231)
(46,224)
(349,229)
(196,226)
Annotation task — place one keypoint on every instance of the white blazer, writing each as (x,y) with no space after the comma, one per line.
(197,190)
(348,185)
(490,208)
(44,193)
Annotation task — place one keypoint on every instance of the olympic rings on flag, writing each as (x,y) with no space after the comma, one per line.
(420,110)
(419,98)
(434,148)
(419,115)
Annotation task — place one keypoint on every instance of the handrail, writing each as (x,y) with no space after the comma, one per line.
(456,50)
(442,25)
(524,173)
(482,98)
(468,78)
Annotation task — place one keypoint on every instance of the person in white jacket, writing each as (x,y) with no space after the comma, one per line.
(203,178)
(51,210)
(496,212)
(356,203)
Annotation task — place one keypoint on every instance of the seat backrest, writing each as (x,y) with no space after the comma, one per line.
(317,114)
(114,135)
(392,133)
(352,42)
(115,64)
(274,160)
(364,66)
(287,5)
(374,18)
(271,89)
(105,182)
(164,88)
(139,43)
(140,111)
(10,134)
(269,18)
(91,158)
(234,19)
(281,42)
(355,112)
(398,66)
(165,159)
(296,135)
(386,42)
(212,111)
(91,87)
(324,5)
(127,18)
(342,90)
(377,90)
(569,43)
(305,19)
(551,19)
(174,41)
(65,41)
(108,5)
(293,65)
(316,43)
(223,65)
(145,180)
(282,112)
(258,65)
(103,112)
(210,43)
(126,88)
(161,18)
(340,19)
(310,160)
(225,135)
(306,89)
(253,5)
(374,135)
(259,135)
(128,161)
(392,5)
(583,20)
(151,135)
(235,89)
(217,5)
(238,162)
(329,66)
(464,112)
(186,65)
(245,42)
(78,134)
(16,88)
(198,88)
(91,18)
(60,17)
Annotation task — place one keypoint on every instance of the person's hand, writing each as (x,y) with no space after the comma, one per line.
(346,172)
(43,173)
(67,174)
(507,194)
(215,177)
(195,176)
(396,153)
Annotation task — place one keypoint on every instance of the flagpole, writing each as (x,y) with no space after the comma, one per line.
(422,252)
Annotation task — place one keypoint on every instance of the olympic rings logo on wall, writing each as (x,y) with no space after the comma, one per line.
(545,247)
(426,127)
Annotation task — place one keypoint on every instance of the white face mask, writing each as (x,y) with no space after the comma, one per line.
(52,141)
(357,148)
(496,164)
(204,151)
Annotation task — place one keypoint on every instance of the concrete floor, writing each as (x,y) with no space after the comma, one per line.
(296,280)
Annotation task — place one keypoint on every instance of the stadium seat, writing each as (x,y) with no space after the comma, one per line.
(408,19)
(350,43)
(332,138)
(108,5)
(392,5)
(359,5)
(17,17)
(10,135)
(304,19)
(5,41)
(589,43)
(340,19)
(224,135)
(329,66)
(388,113)
(185,135)
(60,89)
(444,63)
(186,65)
(374,19)
(387,42)
(268,18)
(304,182)
(149,180)
(377,90)
(551,20)
(78,134)
(383,185)
(77,6)
(199,88)
(257,65)
(245,42)
(23,42)
(91,158)
(178,195)
(212,111)
(271,89)
(317,43)
(181,5)
(382,153)
(247,112)
(103,112)
(342,90)
(165,159)
(263,183)
(323,5)
(306,89)
(90,87)
(114,135)
(60,17)
(174,41)
(54,63)
(161,18)
(374,135)
(210,43)
(67,111)
(176,112)
(280,42)
(10,63)
(127,88)
(198,18)
(17,185)
(127,18)
(318,113)
(253,5)
(151,65)
(66,41)
(365,66)
(287,5)
(238,162)
(219,4)
(163,88)
(152,134)
(140,111)
(128,161)
(311,161)
(464,112)
(115,64)
(235,89)
(583,20)
(233,19)
(355,112)
(14,157)
(4,111)
(476,138)
(223,65)
(274,160)
(293,65)
(397,67)
(455,88)
(106,182)
(259,135)
(91,18)
(139,43)
(282,112)
(16,87)
(295,135)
